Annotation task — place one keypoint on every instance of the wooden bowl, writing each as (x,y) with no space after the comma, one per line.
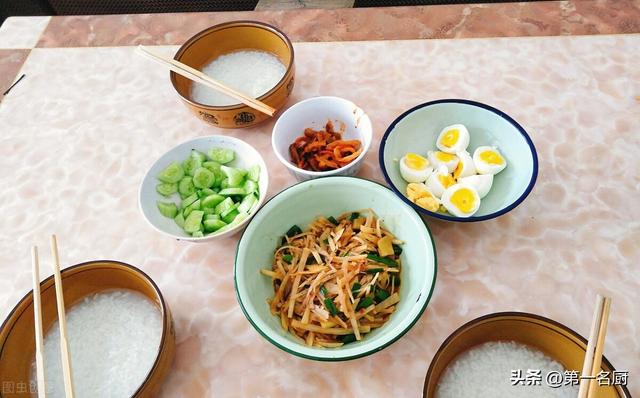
(223,39)
(554,339)
(17,338)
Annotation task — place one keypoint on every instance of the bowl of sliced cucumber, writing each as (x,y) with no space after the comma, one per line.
(204,189)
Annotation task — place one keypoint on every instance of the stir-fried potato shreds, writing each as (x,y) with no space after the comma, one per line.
(338,280)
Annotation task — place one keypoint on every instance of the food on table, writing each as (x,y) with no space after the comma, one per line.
(439,181)
(323,150)
(485,371)
(451,180)
(336,281)
(461,200)
(481,182)
(488,160)
(251,72)
(414,168)
(213,195)
(465,167)
(439,158)
(453,139)
(114,338)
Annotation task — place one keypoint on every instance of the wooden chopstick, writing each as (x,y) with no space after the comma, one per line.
(62,320)
(595,347)
(197,76)
(37,317)
(597,359)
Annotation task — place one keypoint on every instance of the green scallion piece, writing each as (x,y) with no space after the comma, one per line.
(382,260)
(397,250)
(324,290)
(330,306)
(333,220)
(348,338)
(364,303)
(355,288)
(287,258)
(374,270)
(381,294)
(294,230)
(353,216)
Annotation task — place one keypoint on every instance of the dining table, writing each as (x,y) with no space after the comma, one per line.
(87,117)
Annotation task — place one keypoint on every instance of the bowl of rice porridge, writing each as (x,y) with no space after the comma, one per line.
(252,57)
(119,330)
(516,355)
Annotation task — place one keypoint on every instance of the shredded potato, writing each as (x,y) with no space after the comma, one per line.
(331,286)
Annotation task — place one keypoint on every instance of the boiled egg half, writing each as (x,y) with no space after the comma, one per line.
(488,160)
(414,168)
(465,166)
(481,182)
(461,200)
(439,180)
(452,139)
(439,158)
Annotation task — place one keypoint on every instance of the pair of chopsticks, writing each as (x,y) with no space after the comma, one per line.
(199,77)
(595,347)
(37,309)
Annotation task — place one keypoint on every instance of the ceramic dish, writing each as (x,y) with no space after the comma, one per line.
(314,113)
(300,204)
(246,156)
(416,130)
(221,39)
(554,339)
(17,340)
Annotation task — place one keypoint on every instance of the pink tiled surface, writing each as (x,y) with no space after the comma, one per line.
(75,146)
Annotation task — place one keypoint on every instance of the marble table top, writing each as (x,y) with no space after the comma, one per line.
(80,130)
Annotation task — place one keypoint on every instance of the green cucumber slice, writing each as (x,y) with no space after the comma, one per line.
(232,192)
(186,187)
(224,205)
(197,154)
(211,165)
(167,209)
(203,178)
(254,173)
(212,200)
(179,219)
(211,216)
(193,206)
(167,188)
(221,155)
(251,186)
(203,193)
(235,176)
(213,225)
(188,200)
(192,163)
(172,173)
(247,203)
(193,223)
(197,234)
(230,216)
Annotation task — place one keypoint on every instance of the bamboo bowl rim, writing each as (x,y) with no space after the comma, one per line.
(88,267)
(231,25)
(523,316)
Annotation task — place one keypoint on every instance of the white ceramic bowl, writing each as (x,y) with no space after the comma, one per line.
(246,156)
(314,113)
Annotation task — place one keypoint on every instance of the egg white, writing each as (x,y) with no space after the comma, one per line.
(412,175)
(452,208)
(486,168)
(460,145)
(450,165)
(433,182)
(481,182)
(466,165)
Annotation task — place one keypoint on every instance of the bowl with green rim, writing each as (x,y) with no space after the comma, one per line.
(300,204)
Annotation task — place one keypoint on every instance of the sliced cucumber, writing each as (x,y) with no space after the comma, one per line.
(167,209)
(211,216)
(193,223)
(232,192)
(203,193)
(224,206)
(197,234)
(192,163)
(167,188)
(254,173)
(228,217)
(211,165)
(186,187)
(193,206)
(247,203)
(203,178)
(188,200)
(221,155)
(212,200)
(208,210)
(250,186)
(235,176)
(224,183)
(197,154)
(212,225)
(172,174)
(179,219)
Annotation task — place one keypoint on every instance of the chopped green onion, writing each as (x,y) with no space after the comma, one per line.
(287,258)
(325,241)
(324,290)
(355,288)
(333,220)
(397,250)
(348,338)
(374,270)
(353,216)
(294,230)
(381,294)
(382,260)
(364,303)
(330,306)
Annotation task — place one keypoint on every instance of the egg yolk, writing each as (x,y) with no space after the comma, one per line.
(445,157)
(491,157)
(458,170)
(446,180)
(429,202)
(464,200)
(450,138)
(416,191)
(415,161)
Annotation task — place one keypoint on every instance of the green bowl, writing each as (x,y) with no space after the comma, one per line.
(416,131)
(300,204)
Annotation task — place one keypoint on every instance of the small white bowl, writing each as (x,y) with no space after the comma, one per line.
(314,113)
(246,156)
